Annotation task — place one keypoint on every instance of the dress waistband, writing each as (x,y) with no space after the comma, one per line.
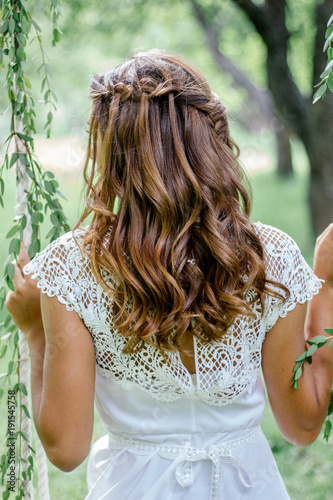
(186,455)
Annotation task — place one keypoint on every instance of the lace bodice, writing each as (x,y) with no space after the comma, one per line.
(224,369)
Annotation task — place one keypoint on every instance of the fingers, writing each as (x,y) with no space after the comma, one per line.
(18,277)
(23,257)
(325,232)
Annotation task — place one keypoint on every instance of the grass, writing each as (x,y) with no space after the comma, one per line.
(279,203)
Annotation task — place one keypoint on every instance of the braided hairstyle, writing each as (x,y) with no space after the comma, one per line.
(182,246)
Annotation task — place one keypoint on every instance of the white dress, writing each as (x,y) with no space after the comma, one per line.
(172,435)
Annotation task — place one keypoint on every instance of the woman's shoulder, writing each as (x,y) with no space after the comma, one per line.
(281,253)
(272,237)
(57,253)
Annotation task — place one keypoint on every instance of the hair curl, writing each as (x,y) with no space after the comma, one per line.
(182,245)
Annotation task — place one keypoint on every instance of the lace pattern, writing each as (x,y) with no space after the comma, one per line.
(224,369)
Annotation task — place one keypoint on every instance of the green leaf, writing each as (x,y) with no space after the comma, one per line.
(329,31)
(320,92)
(5,495)
(330,20)
(330,82)
(25,138)
(325,73)
(329,65)
(36,25)
(4,27)
(14,246)
(26,411)
(56,35)
(327,429)
(13,160)
(13,231)
(49,116)
(301,357)
(329,331)
(35,218)
(298,374)
(49,187)
(10,367)
(23,222)
(3,350)
(11,271)
(24,436)
(22,388)
(311,350)
(331,343)
(11,25)
(319,339)
(328,41)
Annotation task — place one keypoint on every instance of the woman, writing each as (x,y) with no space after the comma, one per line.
(166,310)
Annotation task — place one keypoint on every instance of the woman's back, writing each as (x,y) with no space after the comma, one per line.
(165,307)
(150,403)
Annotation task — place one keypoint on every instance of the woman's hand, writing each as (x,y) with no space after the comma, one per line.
(24,303)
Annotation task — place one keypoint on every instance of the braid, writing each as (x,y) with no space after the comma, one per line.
(103,86)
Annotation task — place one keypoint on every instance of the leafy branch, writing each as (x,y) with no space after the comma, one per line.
(315,343)
(327,75)
(41,196)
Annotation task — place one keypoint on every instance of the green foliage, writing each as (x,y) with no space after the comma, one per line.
(327,75)
(315,343)
(18,29)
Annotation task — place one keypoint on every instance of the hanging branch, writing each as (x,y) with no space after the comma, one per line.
(327,75)
(38,196)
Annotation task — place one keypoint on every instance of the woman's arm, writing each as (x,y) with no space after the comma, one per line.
(62,371)
(300,412)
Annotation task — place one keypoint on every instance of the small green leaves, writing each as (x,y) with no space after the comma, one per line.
(315,343)
(14,246)
(320,340)
(298,373)
(3,350)
(311,350)
(327,429)
(320,93)
(21,387)
(12,231)
(11,271)
(26,411)
(301,357)
(330,82)
(56,35)
(326,76)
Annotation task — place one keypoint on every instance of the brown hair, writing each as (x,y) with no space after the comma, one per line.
(182,245)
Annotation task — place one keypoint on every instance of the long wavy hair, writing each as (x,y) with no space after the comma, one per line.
(181,247)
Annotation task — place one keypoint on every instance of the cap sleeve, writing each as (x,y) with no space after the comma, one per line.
(58,268)
(286,265)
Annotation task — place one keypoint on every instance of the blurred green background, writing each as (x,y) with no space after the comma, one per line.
(96,36)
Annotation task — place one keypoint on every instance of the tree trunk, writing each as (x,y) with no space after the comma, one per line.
(284,165)
(319,144)
(262,98)
(312,123)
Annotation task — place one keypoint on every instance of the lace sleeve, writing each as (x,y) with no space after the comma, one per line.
(285,264)
(58,268)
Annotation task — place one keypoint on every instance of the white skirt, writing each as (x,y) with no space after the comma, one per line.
(206,467)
